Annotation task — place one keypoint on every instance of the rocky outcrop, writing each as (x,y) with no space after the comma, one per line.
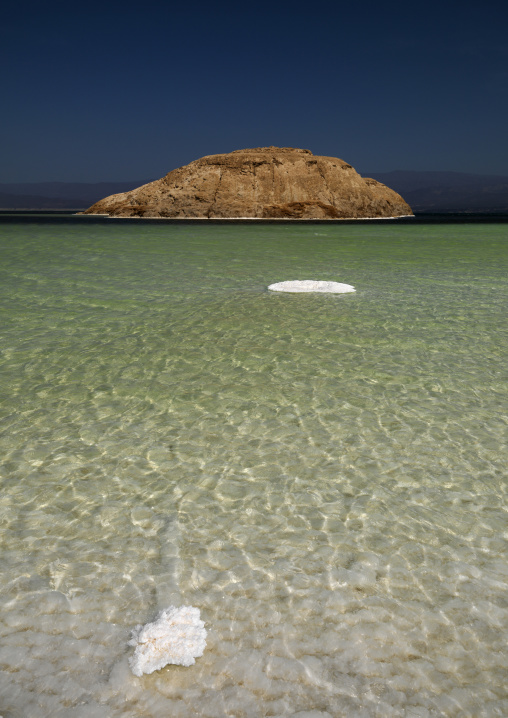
(266,182)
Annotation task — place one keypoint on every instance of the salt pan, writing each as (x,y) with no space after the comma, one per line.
(176,636)
(311,285)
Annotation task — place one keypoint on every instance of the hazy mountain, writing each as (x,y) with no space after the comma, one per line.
(424,191)
(448,191)
(59,195)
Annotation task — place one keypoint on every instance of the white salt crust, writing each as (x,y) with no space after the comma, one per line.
(311,285)
(176,636)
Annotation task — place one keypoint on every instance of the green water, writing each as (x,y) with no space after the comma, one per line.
(323,476)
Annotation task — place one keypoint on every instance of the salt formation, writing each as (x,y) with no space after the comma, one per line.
(176,636)
(310,285)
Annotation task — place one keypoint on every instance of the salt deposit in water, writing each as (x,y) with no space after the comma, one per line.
(311,285)
(176,636)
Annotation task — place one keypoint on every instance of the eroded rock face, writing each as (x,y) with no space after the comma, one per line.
(266,182)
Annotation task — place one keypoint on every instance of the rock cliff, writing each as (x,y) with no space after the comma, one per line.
(266,182)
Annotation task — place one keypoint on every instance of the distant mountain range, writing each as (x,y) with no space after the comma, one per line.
(59,195)
(448,191)
(440,192)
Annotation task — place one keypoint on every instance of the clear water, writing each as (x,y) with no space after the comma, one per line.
(323,476)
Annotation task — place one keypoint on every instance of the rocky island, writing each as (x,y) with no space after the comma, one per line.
(260,183)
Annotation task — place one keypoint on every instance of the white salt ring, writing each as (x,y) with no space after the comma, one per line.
(311,285)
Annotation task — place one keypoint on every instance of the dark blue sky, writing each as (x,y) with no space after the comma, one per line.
(128,91)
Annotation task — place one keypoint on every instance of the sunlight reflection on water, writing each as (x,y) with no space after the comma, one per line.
(323,476)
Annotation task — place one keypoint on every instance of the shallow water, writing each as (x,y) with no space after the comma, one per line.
(323,476)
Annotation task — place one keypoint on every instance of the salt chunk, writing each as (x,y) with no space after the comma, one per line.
(311,285)
(176,636)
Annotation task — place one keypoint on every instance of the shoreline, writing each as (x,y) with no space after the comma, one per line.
(45,215)
(266,220)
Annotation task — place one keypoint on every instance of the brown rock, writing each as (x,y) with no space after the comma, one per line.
(266,182)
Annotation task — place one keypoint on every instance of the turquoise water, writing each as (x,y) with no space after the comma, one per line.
(323,476)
